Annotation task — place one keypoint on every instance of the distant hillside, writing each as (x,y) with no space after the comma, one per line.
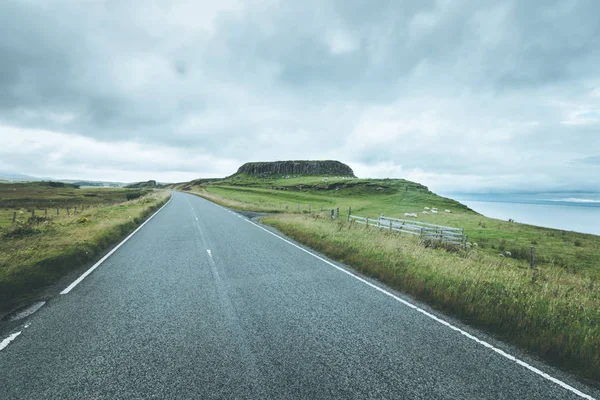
(17,177)
(139,185)
(297,167)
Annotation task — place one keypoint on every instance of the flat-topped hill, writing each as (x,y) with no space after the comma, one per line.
(297,167)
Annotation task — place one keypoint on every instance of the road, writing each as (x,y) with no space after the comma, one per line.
(202,304)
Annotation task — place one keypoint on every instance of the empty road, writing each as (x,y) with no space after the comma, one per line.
(203,304)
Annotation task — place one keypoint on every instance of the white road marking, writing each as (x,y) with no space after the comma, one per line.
(9,339)
(89,271)
(209,254)
(441,321)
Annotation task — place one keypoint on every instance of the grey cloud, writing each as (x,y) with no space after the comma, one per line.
(506,83)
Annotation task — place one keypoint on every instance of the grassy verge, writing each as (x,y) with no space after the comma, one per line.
(548,311)
(38,251)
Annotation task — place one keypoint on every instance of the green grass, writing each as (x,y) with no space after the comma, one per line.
(548,311)
(552,311)
(37,252)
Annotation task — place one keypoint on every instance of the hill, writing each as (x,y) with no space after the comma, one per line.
(140,185)
(258,187)
(17,177)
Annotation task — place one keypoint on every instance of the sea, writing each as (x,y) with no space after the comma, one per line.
(579,214)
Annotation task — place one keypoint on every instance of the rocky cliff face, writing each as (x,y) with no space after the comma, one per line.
(328,167)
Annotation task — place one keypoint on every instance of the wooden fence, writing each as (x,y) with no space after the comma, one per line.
(424,230)
(10,217)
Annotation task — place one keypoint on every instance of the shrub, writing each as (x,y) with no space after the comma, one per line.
(134,195)
(22,231)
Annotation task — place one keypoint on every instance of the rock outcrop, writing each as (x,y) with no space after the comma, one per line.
(328,167)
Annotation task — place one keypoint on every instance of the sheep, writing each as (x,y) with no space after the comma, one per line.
(434,211)
(425,212)
(426,208)
(448,211)
(500,255)
(413,215)
(508,253)
(475,244)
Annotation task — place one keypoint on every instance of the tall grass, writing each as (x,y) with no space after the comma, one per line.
(549,311)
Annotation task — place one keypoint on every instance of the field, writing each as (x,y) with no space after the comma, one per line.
(552,310)
(36,251)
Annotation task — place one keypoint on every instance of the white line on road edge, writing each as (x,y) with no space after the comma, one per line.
(89,271)
(441,321)
(9,339)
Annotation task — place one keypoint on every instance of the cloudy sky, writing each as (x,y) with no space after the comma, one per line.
(458,95)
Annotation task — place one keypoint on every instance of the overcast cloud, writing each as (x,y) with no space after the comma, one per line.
(458,95)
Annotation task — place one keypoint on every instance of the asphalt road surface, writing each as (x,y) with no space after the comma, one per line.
(203,304)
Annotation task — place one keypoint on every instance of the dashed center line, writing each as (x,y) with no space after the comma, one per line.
(9,339)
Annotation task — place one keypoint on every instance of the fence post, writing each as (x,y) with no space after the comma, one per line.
(466,240)
(57,211)
(349,211)
(337,213)
(75,210)
(309,207)
(332,213)
(367,222)
(32,213)
(532,261)
(45,213)
(390,225)
(68,213)
(14,218)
